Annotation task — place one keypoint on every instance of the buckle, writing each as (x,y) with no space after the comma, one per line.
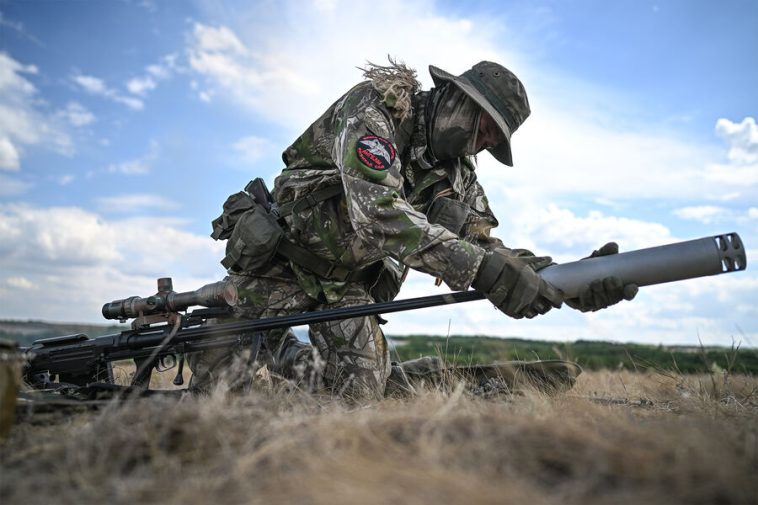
(336,272)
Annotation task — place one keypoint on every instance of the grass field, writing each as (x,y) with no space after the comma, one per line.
(617,437)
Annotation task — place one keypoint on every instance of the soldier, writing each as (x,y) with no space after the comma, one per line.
(384,181)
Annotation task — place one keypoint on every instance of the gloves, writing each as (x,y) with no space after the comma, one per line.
(514,287)
(603,293)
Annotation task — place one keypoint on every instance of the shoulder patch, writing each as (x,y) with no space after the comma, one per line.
(375,152)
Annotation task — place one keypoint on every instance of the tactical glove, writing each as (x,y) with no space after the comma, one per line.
(603,293)
(513,286)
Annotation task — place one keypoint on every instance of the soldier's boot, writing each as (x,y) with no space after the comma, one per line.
(237,367)
(299,362)
(549,376)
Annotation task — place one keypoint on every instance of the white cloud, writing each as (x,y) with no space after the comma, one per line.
(23,118)
(742,138)
(9,157)
(138,166)
(78,115)
(325,5)
(83,260)
(581,140)
(732,176)
(554,228)
(66,179)
(19,28)
(68,235)
(251,148)
(140,85)
(211,40)
(218,54)
(98,87)
(92,84)
(131,167)
(136,203)
(742,170)
(161,71)
(706,214)
(132,103)
(19,283)
(280,70)
(557,154)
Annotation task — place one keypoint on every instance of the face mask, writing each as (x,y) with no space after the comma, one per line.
(453,124)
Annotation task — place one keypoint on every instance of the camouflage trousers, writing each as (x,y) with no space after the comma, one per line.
(348,357)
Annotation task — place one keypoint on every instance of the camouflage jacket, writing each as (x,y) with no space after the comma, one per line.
(387,192)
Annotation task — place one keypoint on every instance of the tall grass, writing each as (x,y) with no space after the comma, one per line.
(617,437)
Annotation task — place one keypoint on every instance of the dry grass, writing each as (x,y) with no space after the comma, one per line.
(615,438)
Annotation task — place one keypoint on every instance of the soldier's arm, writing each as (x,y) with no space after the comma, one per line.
(365,152)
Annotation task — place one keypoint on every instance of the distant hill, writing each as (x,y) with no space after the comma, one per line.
(592,355)
(26,332)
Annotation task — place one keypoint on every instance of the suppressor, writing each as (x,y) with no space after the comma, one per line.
(655,265)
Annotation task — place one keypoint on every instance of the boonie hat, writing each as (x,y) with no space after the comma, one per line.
(499,92)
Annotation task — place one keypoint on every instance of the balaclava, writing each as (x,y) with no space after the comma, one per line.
(452,123)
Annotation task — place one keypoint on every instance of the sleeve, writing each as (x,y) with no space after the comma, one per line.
(365,152)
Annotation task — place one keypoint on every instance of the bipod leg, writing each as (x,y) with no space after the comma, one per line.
(255,347)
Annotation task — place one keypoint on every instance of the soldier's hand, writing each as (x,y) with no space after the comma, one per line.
(602,293)
(514,287)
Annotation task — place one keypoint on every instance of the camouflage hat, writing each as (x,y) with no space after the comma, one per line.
(499,92)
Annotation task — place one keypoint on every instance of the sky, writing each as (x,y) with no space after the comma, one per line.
(125,124)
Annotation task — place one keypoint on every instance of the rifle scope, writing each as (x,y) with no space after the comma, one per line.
(217,294)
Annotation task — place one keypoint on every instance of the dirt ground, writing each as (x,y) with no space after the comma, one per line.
(616,438)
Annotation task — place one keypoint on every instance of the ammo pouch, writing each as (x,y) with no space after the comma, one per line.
(448,213)
(253,233)
(251,224)
(388,281)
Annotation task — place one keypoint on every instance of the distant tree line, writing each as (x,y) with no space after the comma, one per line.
(591,355)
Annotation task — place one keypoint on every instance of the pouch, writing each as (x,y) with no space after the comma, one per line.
(254,240)
(388,282)
(234,206)
(448,213)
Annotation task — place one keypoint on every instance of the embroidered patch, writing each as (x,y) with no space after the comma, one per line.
(375,152)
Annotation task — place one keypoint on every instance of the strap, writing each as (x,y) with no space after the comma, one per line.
(322,267)
(303,257)
(310,200)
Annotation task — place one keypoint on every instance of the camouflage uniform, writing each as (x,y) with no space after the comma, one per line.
(390,201)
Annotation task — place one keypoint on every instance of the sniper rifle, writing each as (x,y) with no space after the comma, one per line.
(163,329)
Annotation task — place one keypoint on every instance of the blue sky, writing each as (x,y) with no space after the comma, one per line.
(125,124)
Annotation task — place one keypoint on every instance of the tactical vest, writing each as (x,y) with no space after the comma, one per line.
(253,225)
